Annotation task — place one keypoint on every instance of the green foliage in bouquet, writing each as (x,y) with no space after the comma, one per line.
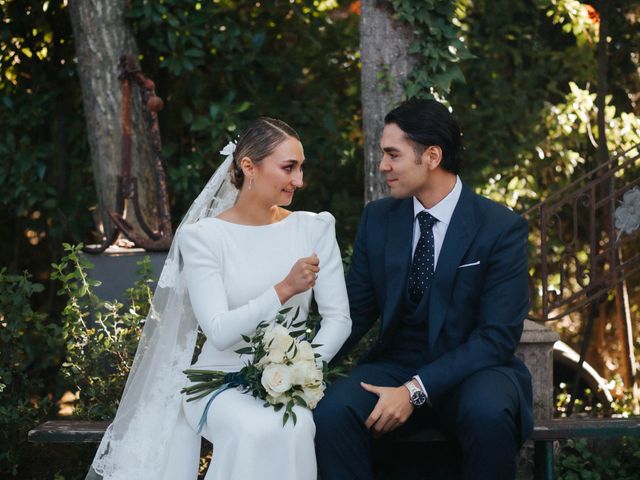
(101,336)
(282,369)
(28,347)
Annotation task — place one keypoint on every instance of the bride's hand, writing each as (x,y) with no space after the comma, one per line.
(301,278)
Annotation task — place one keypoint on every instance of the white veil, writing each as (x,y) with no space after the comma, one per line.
(145,421)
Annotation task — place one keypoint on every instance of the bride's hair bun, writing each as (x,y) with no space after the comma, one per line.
(258,141)
(237,175)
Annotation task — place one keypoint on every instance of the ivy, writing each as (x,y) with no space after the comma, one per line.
(438,47)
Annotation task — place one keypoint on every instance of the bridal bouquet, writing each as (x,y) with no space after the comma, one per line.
(282,371)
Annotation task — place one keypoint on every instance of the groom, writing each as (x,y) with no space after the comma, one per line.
(446,272)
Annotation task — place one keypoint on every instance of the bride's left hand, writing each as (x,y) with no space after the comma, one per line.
(301,278)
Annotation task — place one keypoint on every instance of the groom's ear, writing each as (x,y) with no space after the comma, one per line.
(432,157)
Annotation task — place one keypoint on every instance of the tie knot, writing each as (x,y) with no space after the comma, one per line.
(426,221)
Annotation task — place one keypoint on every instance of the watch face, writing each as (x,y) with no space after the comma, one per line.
(418,398)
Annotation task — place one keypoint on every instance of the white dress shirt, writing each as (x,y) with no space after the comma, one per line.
(442,211)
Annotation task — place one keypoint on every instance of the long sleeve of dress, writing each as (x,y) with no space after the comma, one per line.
(330,291)
(202,269)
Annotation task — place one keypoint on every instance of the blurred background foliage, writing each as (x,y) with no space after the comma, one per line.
(525,99)
(527,106)
(219,64)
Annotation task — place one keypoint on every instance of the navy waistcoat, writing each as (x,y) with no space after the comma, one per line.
(408,343)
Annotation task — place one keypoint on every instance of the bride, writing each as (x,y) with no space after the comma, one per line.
(238,258)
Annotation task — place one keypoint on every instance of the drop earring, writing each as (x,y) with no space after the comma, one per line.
(250,183)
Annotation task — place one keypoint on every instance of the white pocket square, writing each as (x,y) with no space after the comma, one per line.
(473,264)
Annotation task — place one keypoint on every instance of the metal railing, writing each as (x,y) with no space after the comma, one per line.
(578,254)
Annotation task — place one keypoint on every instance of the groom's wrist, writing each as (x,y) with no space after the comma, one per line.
(417,398)
(418,383)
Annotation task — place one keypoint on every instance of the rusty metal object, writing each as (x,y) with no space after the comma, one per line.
(127,190)
(577,261)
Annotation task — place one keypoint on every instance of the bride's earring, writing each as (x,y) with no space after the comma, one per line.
(250,183)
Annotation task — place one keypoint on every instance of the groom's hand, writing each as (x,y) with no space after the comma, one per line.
(392,410)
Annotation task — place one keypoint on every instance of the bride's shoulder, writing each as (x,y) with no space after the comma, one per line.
(320,220)
(323,217)
(202,228)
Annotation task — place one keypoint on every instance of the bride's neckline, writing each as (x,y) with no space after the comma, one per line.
(283,220)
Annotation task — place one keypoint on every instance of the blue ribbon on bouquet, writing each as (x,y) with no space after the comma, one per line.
(231,380)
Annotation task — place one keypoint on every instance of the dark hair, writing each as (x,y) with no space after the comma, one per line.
(427,123)
(258,141)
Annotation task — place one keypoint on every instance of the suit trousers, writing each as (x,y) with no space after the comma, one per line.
(481,413)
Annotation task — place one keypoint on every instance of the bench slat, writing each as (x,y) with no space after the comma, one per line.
(563,428)
(547,430)
(68,431)
(74,431)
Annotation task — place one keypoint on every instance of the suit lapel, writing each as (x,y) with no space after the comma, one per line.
(397,258)
(460,232)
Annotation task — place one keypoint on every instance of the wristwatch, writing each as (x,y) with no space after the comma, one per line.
(416,396)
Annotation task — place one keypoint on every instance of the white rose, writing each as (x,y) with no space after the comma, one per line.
(263,362)
(276,379)
(312,395)
(277,338)
(313,377)
(306,374)
(304,352)
(274,356)
(272,331)
(299,372)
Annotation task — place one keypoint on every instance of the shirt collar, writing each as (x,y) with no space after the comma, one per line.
(443,210)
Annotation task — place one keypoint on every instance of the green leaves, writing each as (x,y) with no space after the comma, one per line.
(220,64)
(204,382)
(101,336)
(281,379)
(30,343)
(289,413)
(580,459)
(437,47)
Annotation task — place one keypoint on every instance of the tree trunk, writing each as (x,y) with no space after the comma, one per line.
(101,36)
(384,43)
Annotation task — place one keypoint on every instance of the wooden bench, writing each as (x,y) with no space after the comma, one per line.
(546,432)
(68,431)
(543,436)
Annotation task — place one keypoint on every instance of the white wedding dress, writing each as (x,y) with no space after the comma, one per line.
(231,271)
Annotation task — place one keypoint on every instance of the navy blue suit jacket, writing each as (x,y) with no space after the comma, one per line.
(475,312)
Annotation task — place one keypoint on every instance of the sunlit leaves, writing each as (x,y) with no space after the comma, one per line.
(574,16)
(570,142)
